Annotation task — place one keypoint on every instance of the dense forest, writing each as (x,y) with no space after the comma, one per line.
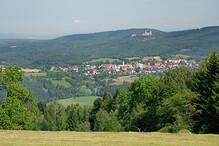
(181,99)
(78,49)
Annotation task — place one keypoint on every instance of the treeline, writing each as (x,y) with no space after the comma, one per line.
(181,99)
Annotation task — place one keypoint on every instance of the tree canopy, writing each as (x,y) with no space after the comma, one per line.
(19,106)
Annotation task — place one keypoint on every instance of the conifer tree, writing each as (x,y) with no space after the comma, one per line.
(205,82)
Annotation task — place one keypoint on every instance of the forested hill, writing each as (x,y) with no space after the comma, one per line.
(77,49)
(108,35)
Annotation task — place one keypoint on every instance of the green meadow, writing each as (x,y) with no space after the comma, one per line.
(84,100)
(62,82)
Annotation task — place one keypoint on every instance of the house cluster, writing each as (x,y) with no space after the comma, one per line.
(134,67)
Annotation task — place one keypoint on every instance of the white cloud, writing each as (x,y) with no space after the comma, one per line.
(77,21)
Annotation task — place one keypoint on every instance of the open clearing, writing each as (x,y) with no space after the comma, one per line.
(84,100)
(155,57)
(181,56)
(104,59)
(131,58)
(104,138)
(30,70)
(62,82)
(120,80)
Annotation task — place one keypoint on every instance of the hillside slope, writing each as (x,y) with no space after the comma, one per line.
(76,49)
(108,35)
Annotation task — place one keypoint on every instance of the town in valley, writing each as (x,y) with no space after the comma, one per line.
(147,66)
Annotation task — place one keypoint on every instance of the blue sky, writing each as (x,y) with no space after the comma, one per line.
(86,16)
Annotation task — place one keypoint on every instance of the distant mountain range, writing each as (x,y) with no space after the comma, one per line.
(80,48)
(25,36)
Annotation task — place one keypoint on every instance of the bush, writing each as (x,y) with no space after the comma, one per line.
(169,128)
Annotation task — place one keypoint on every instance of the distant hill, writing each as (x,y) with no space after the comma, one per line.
(102,36)
(7,36)
(77,49)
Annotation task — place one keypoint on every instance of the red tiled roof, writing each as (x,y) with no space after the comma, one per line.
(155,66)
(105,65)
(74,67)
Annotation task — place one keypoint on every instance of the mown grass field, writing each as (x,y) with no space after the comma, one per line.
(120,80)
(104,138)
(84,100)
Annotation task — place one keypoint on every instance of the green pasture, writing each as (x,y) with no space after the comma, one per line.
(62,82)
(84,100)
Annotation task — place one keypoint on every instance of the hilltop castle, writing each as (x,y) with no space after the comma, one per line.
(147,33)
(143,34)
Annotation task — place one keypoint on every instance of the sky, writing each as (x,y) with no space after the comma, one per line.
(87,16)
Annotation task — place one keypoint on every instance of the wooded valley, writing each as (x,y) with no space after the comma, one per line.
(181,99)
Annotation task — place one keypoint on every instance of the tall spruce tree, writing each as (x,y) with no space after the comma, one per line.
(206,84)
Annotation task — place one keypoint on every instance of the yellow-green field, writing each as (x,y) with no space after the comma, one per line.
(120,80)
(131,58)
(104,59)
(147,58)
(30,70)
(104,138)
(84,100)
